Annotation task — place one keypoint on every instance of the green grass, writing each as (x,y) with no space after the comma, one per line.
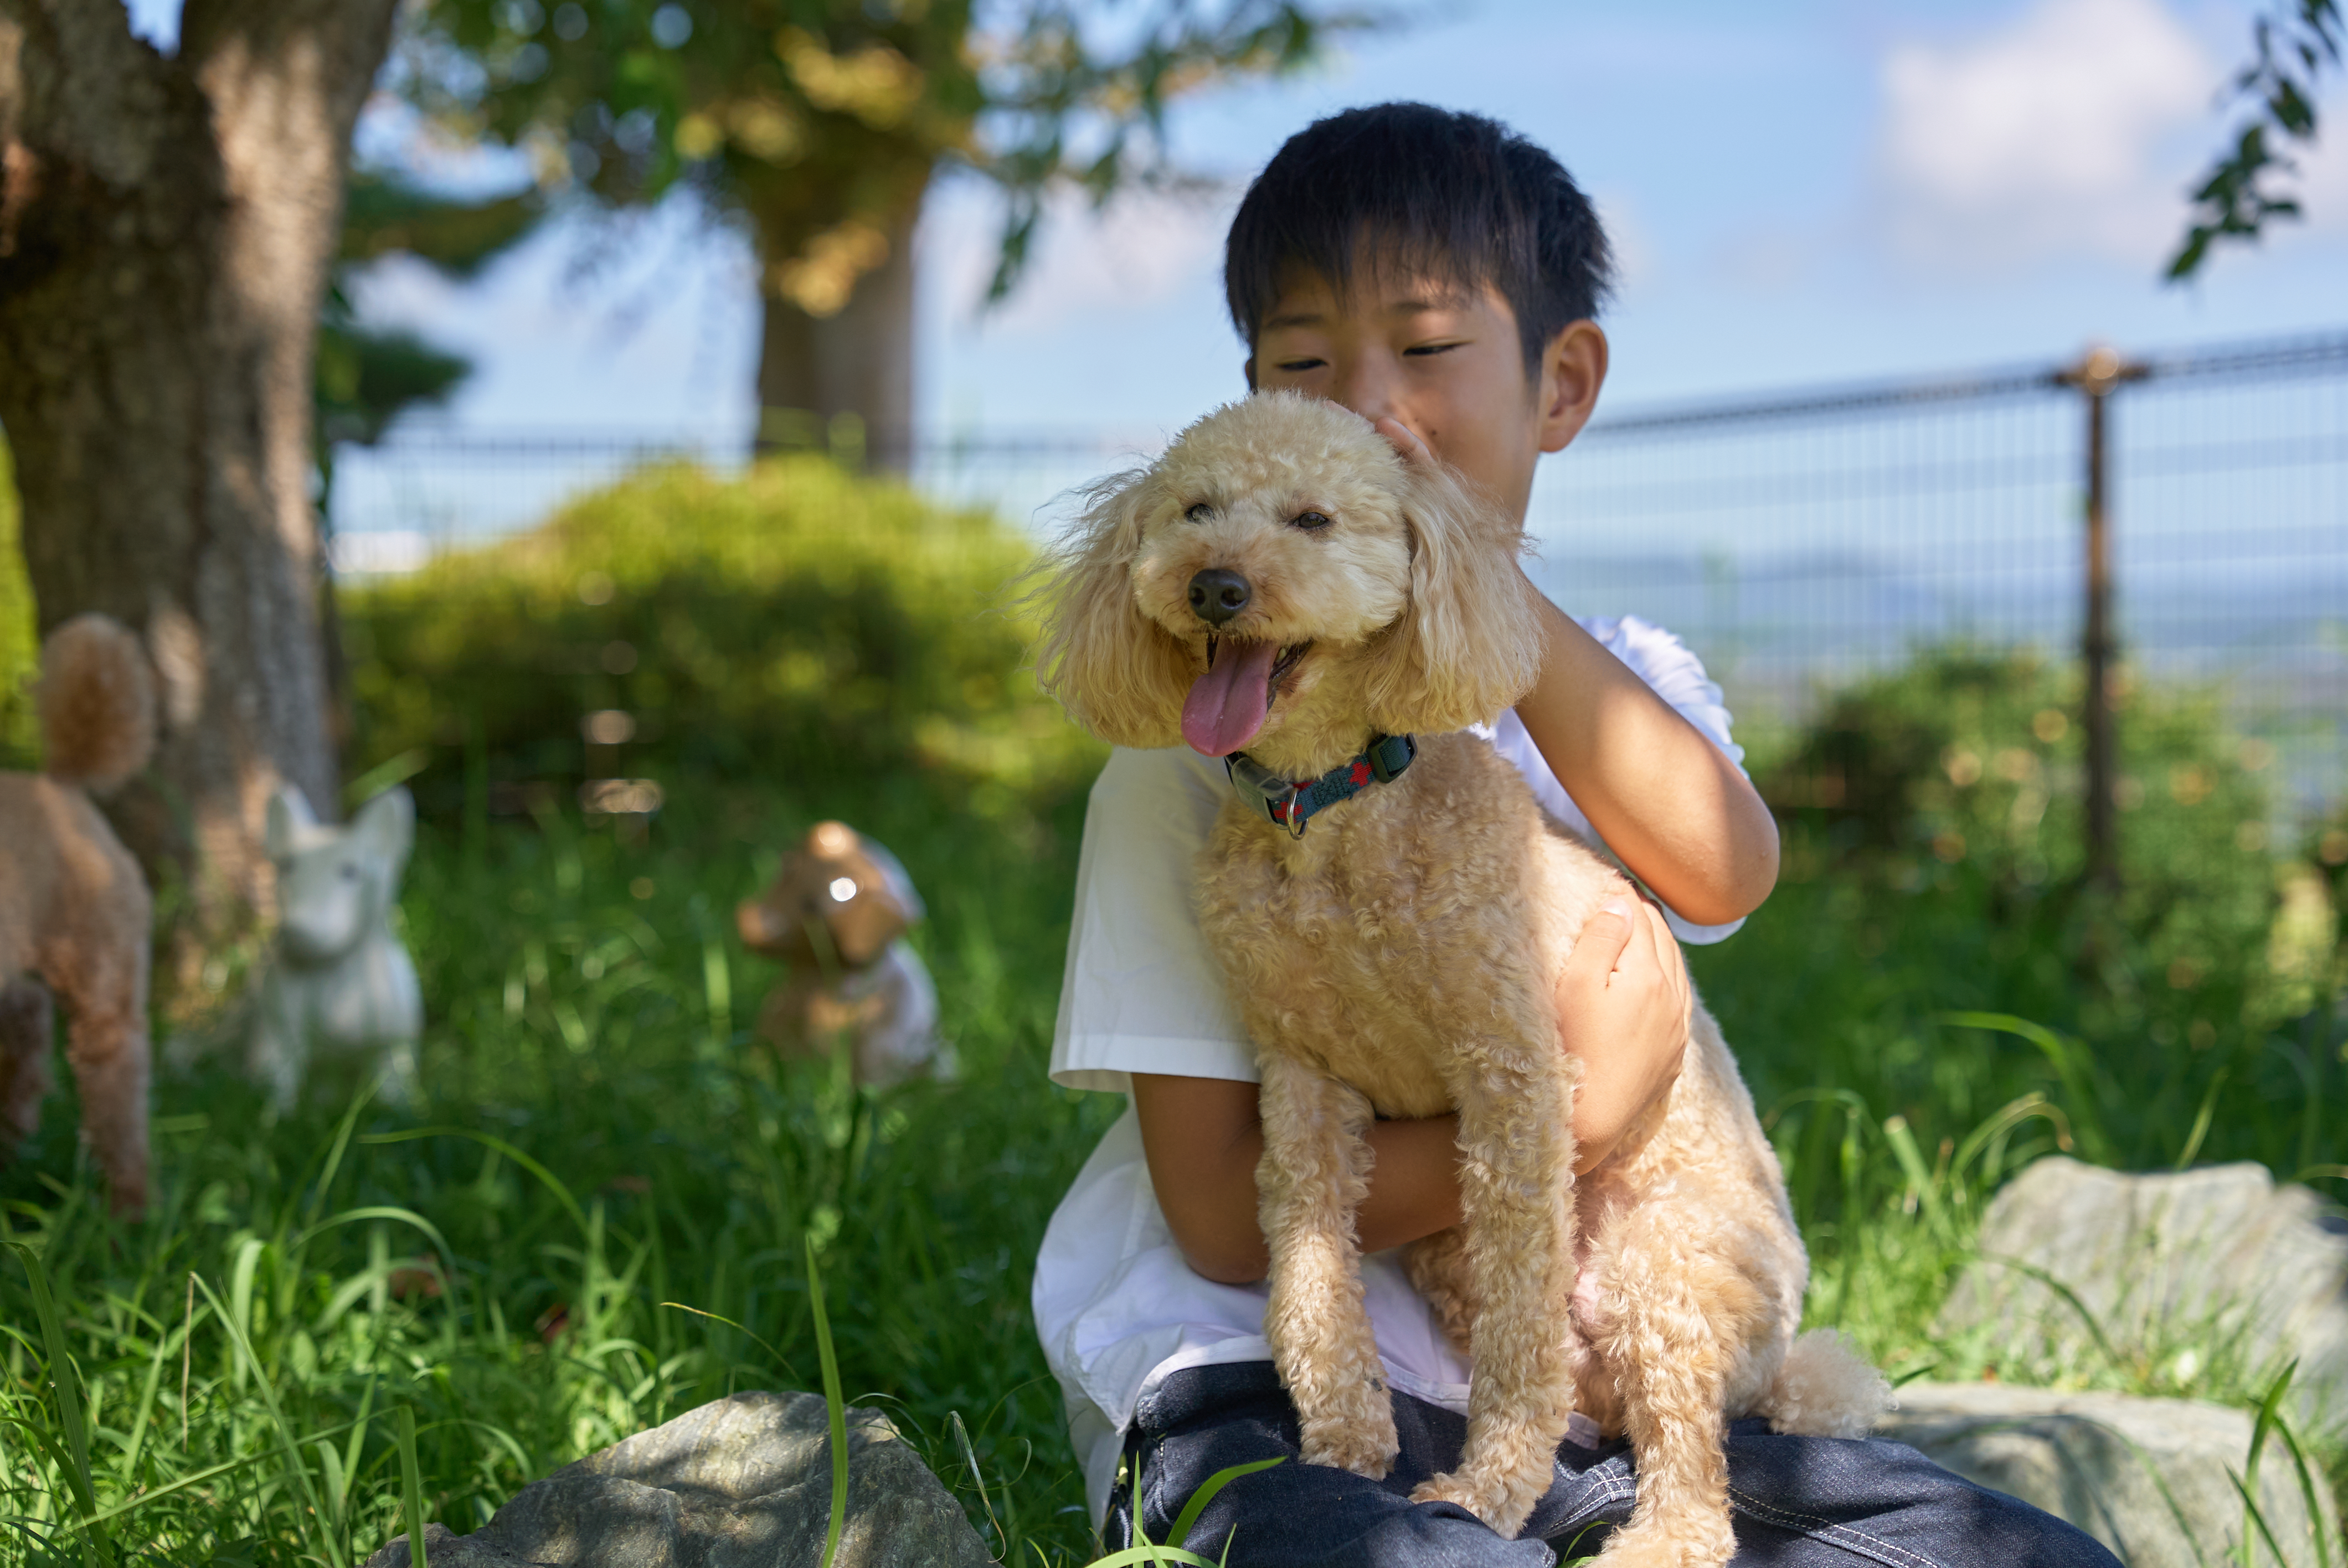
(601,1138)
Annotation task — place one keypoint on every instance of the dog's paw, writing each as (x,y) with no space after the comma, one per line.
(1487,1502)
(1362,1442)
(1681,1543)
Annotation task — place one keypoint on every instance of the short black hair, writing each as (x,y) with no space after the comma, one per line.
(1446,194)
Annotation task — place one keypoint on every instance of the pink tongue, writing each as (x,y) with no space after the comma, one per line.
(1226,705)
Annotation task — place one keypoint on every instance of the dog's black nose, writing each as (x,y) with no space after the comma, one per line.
(1217,595)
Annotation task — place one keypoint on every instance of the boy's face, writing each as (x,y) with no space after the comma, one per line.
(1442,362)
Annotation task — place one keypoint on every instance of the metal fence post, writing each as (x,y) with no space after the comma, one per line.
(2097,376)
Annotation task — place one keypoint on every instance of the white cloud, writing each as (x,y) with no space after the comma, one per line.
(1142,248)
(2057,135)
(2322,183)
(1637,258)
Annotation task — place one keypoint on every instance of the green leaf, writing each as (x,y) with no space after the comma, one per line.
(1206,1494)
(833,1402)
(66,1387)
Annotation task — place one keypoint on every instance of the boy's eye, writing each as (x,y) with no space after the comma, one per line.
(1308,521)
(1298,366)
(1199,512)
(1425,349)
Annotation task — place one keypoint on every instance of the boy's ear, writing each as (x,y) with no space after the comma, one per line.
(1109,665)
(1469,643)
(1572,371)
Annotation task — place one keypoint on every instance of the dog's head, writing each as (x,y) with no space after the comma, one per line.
(334,883)
(840,883)
(1280,580)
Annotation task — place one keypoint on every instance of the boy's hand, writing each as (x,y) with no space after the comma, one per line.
(1622,1009)
(1404,440)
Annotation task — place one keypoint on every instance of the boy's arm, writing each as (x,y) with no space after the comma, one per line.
(1622,1006)
(1663,797)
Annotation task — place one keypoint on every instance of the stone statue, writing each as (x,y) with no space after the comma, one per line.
(339,984)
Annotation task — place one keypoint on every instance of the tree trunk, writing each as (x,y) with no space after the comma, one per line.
(859,361)
(166,224)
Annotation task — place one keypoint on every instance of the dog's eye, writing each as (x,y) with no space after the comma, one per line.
(1308,521)
(1199,512)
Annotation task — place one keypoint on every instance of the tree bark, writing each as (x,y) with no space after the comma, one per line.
(859,361)
(166,225)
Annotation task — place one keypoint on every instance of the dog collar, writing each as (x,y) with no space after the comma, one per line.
(1289,804)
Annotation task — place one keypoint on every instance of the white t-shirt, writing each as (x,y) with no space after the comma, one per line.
(1117,1306)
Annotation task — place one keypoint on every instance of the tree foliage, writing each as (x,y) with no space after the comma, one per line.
(821,120)
(367,376)
(2295,44)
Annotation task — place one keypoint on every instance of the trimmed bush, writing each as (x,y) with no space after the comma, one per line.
(798,624)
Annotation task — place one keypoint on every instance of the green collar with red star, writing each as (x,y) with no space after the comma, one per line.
(1288,803)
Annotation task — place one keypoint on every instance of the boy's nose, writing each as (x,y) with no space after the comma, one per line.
(1218,594)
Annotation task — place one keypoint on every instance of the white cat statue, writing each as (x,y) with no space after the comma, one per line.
(339,982)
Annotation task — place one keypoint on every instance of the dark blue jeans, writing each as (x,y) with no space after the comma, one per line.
(1798,1503)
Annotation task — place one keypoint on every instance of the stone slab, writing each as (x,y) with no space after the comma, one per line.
(2149,1478)
(741,1482)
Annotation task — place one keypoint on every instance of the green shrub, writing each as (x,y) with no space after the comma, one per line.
(1933,837)
(796,624)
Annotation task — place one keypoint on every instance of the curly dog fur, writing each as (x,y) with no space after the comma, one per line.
(1400,958)
(74,909)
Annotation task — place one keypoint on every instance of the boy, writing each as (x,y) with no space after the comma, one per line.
(1439,276)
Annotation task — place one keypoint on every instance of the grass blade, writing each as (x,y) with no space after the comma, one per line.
(546,1177)
(2254,1516)
(1208,1488)
(198,1477)
(411,1487)
(297,1473)
(977,1477)
(2064,1056)
(834,1403)
(2095,1328)
(68,1389)
(1133,1556)
(2270,1403)
(781,1360)
(1897,1133)
(2308,1493)
(2202,1121)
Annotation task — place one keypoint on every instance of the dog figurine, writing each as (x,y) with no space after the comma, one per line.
(339,981)
(74,908)
(836,914)
(1391,910)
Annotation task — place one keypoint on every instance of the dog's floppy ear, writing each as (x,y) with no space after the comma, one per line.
(1114,672)
(893,874)
(1469,643)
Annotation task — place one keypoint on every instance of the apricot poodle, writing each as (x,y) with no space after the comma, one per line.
(1279,580)
(74,908)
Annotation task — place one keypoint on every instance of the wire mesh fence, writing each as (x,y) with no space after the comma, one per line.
(1794,541)
(1799,541)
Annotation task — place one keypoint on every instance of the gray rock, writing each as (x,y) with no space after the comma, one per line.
(2216,1271)
(741,1482)
(2149,1478)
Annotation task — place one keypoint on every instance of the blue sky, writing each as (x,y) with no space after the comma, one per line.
(1801,190)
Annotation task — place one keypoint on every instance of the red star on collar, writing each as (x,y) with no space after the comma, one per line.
(1361,774)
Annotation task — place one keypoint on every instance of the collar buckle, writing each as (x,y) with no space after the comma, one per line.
(1288,804)
(1266,791)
